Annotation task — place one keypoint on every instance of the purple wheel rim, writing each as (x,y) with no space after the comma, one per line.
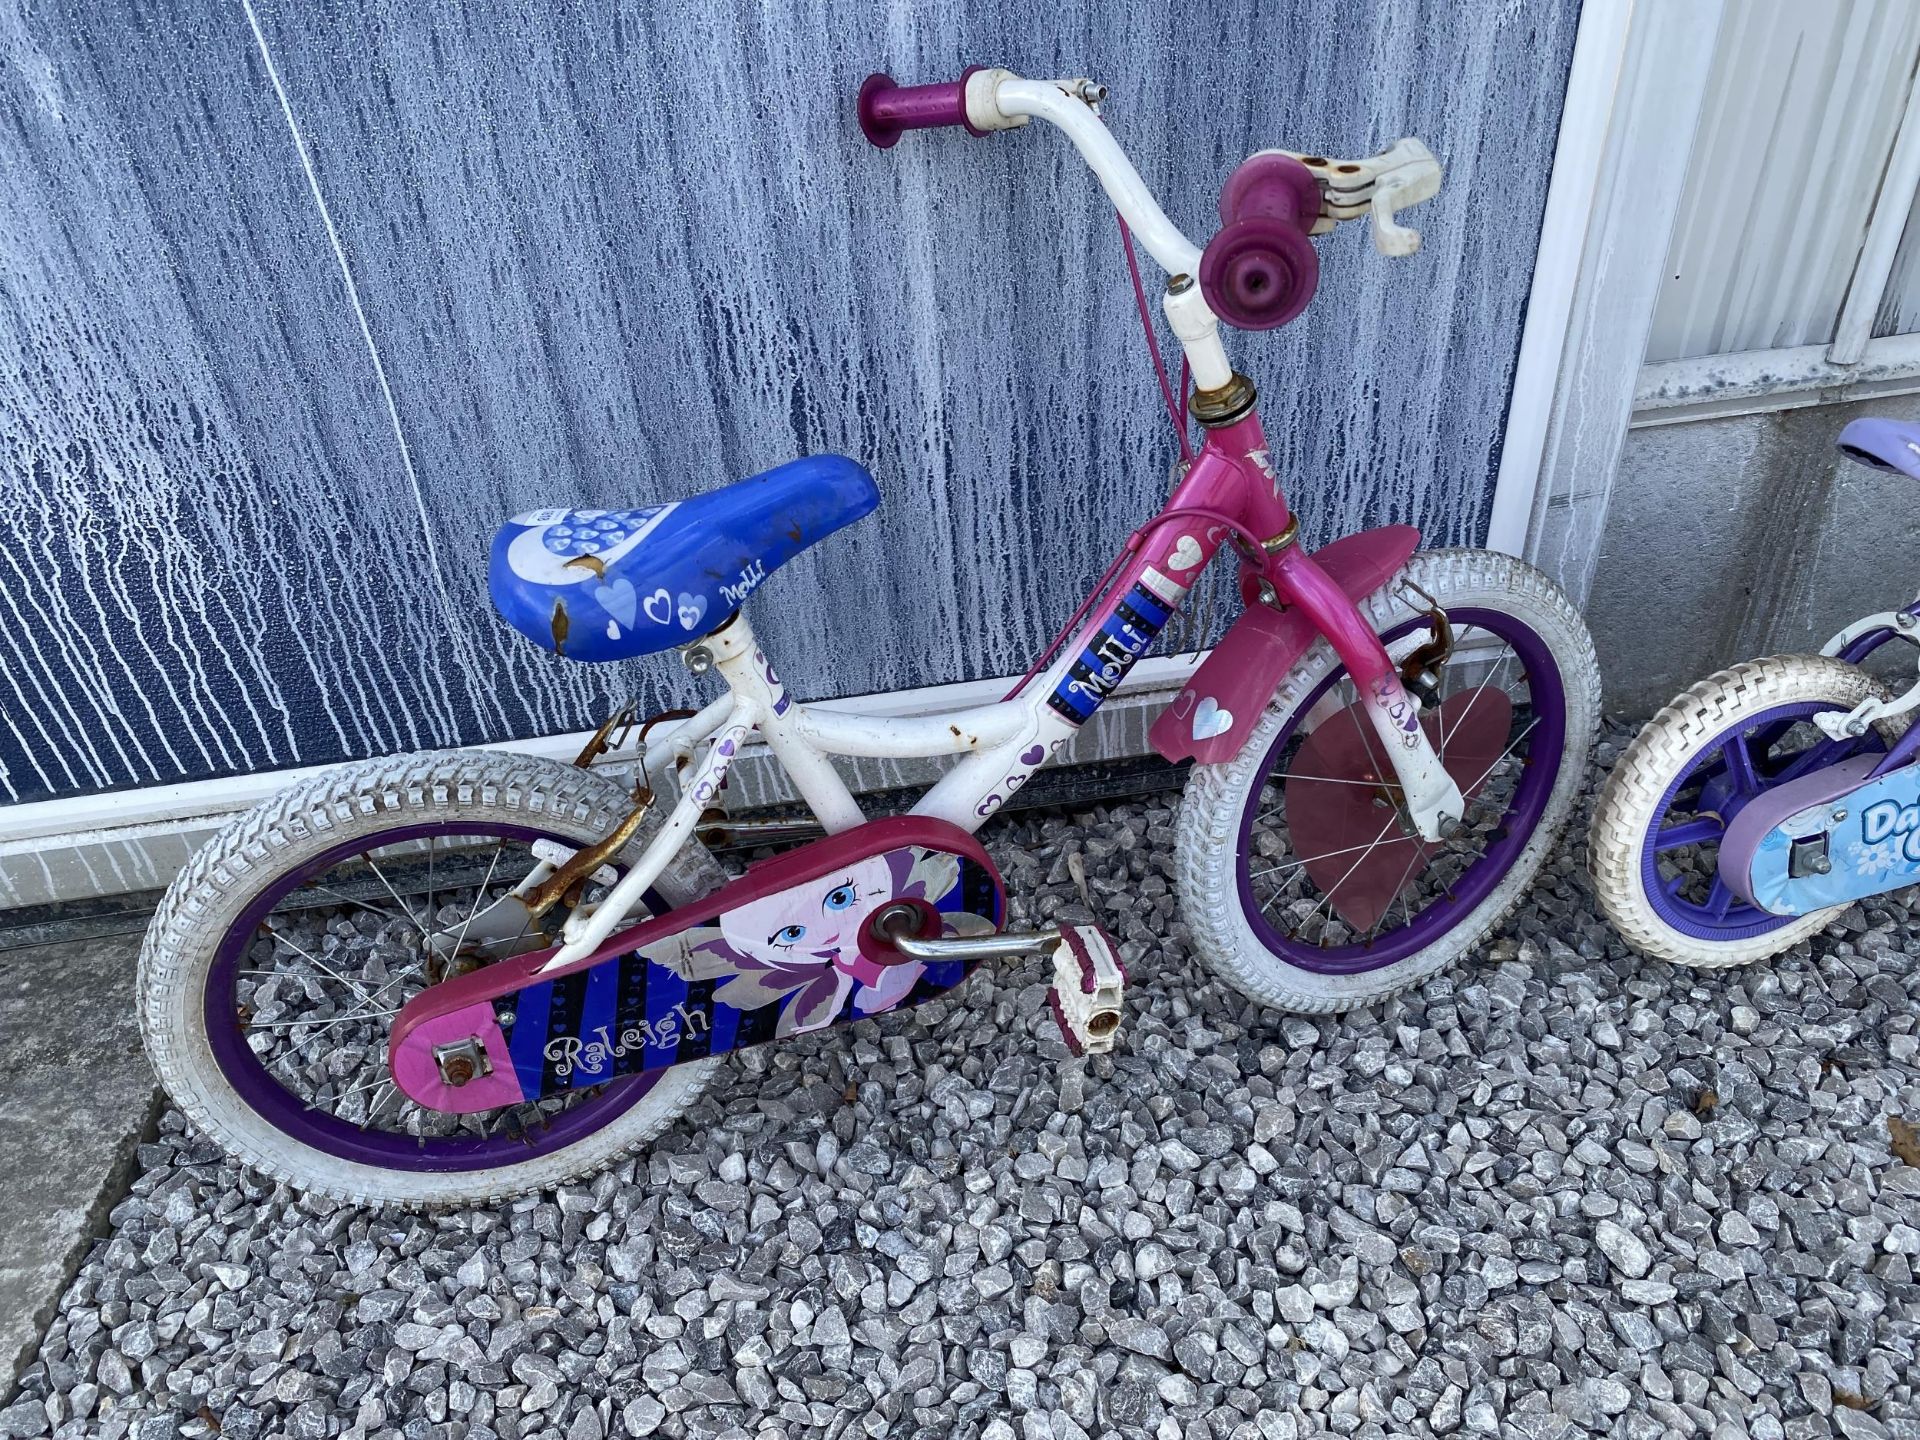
(286,1112)
(1517,823)
(1741,921)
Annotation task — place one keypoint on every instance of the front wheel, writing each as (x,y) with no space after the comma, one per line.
(1300,877)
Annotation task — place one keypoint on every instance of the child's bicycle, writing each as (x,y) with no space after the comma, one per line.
(1770,794)
(451,977)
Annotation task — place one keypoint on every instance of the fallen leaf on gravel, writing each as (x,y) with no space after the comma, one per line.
(1906,1140)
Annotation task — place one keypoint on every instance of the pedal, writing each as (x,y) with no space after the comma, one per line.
(1089,985)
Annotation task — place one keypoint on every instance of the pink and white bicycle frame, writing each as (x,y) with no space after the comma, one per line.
(1229,495)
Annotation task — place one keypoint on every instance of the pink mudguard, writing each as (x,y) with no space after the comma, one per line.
(1209,720)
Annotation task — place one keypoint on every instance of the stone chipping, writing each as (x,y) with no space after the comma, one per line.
(1559,1191)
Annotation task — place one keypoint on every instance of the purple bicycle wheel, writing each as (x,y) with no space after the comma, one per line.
(1679,854)
(1456,877)
(252,1053)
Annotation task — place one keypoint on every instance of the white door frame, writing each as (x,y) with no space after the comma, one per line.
(1633,100)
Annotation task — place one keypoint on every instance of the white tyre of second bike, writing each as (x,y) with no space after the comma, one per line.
(1511,596)
(1697,723)
(339,808)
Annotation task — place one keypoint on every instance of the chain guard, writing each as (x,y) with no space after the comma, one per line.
(784,950)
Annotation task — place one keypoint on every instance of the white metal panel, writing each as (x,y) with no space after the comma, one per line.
(1899,312)
(1801,113)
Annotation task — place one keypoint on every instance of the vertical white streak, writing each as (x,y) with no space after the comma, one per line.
(353,299)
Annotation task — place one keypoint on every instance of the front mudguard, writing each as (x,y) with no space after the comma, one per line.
(1210,719)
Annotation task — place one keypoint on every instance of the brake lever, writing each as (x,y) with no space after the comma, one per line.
(1403,174)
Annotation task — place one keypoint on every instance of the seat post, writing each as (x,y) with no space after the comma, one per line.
(736,654)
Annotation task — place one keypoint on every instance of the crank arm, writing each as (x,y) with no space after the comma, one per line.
(1089,982)
(1000,945)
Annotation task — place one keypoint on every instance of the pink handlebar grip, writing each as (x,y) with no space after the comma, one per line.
(1261,269)
(888,110)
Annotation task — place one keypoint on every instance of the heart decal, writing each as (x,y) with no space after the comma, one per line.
(618,600)
(1186,554)
(692,609)
(1033,756)
(613,629)
(659,607)
(1211,720)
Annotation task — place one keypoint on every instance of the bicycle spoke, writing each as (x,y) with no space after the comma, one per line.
(1353,714)
(316,961)
(1293,865)
(388,1091)
(478,897)
(1481,779)
(1400,885)
(1266,817)
(1746,780)
(327,1024)
(1474,699)
(1333,780)
(430,907)
(365,1085)
(1333,889)
(356,900)
(1692,832)
(405,908)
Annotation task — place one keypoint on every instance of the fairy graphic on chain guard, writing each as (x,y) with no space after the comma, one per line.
(784,950)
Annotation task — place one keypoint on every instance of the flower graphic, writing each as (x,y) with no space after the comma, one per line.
(1873,861)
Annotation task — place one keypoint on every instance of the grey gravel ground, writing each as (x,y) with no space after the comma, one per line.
(1562,1191)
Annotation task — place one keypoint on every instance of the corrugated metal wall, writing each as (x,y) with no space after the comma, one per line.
(606,254)
(1801,113)
(1899,312)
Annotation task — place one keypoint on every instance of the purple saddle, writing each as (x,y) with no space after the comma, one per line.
(1883,444)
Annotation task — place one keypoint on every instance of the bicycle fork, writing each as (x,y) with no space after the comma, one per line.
(1432,797)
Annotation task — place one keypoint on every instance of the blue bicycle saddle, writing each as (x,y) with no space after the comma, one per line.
(611,584)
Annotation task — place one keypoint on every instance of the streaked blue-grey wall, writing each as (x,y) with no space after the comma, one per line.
(605,254)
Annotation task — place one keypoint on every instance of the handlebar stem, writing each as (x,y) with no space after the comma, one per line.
(1199,333)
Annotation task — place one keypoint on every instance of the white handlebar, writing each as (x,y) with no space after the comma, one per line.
(1000,100)
(1403,174)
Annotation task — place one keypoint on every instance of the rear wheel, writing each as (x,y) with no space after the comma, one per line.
(1655,842)
(1300,877)
(274,967)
